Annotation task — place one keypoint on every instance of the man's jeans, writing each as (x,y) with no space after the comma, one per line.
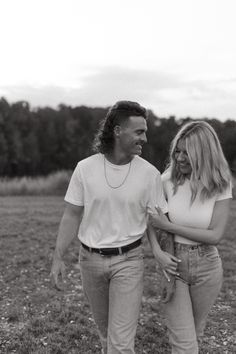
(197,287)
(113,286)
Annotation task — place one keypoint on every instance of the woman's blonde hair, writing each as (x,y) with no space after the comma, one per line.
(209,166)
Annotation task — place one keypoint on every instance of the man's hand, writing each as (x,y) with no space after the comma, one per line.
(168,288)
(68,229)
(58,273)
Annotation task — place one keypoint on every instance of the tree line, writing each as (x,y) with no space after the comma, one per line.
(40,141)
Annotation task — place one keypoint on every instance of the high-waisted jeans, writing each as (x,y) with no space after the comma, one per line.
(197,287)
(113,286)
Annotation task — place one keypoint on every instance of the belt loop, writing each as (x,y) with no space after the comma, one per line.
(100,252)
(90,249)
(120,250)
(201,250)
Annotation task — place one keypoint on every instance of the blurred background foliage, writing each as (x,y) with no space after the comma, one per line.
(42,141)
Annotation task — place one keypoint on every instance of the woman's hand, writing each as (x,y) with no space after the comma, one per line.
(158,220)
(166,261)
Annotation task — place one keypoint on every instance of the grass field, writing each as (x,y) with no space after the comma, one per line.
(36,318)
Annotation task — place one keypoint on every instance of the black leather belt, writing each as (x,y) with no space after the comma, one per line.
(113,251)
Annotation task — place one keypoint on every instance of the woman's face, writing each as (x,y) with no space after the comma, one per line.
(182,159)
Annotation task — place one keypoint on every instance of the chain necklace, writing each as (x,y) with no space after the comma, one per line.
(108,183)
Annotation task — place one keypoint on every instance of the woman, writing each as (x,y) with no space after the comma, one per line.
(198,189)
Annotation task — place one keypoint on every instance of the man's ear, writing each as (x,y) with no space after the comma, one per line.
(117,130)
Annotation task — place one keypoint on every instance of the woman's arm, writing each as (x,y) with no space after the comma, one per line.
(212,235)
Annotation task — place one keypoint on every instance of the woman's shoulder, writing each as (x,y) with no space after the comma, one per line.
(226,194)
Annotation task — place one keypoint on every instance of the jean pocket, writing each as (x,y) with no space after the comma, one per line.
(135,254)
(212,256)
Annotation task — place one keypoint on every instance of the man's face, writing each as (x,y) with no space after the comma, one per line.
(132,135)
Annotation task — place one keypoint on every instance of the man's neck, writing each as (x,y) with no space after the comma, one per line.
(118,158)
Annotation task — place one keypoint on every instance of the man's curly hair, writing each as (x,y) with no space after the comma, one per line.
(120,112)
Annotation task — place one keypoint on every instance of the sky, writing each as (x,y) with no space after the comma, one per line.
(175,57)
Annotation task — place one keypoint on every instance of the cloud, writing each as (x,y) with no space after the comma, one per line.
(166,94)
(102,87)
(113,83)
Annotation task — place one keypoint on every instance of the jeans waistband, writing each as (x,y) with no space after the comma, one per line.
(187,247)
(113,251)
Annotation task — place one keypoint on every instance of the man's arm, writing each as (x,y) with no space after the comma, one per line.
(68,229)
(163,250)
(166,241)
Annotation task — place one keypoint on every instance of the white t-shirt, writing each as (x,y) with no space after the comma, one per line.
(182,212)
(114,217)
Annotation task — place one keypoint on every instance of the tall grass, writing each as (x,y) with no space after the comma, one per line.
(53,184)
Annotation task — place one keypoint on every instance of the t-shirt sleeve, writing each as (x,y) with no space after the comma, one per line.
(165,177)
(156,195)
(226,194)
(75,191)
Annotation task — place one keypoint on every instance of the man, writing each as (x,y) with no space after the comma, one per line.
(107,202)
